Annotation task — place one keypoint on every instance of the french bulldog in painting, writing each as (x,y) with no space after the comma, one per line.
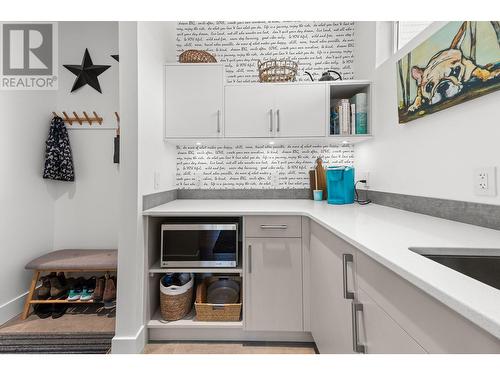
(445,74)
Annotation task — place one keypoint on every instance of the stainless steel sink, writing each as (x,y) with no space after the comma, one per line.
(480,264)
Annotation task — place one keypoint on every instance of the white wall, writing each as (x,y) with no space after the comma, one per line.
(86,211)
(433,156)
(156,46)
(27,214)
(38,215)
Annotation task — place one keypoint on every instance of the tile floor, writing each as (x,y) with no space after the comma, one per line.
(228,348)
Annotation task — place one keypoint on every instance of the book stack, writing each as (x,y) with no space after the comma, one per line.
(349,116)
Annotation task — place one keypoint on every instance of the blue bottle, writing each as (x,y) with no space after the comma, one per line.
(340,185)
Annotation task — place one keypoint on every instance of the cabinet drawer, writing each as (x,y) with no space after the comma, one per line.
(436,327)
(273,226)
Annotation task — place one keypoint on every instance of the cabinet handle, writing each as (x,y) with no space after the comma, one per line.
(249,258)
(356,346)
(278,120)
(271,121)
(273,226)
(346,258)
(218,121)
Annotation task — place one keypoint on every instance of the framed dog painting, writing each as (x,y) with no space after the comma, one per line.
(460,62)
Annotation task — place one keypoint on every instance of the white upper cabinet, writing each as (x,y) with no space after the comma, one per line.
(301,110)
(249,111)
(194,98)
(275,110)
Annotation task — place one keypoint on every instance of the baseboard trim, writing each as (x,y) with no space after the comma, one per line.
(210,334)
(129,344)
(12,308)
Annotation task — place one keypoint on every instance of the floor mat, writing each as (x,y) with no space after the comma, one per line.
(82,329)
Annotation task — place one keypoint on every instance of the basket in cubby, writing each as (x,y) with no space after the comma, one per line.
(216,312)
(176,301)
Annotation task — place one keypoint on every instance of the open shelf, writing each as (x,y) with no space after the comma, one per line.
(233,270)
(349,139)
(189,321)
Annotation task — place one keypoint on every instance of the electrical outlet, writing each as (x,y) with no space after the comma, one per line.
(485,181)
(156,182)
(364,176)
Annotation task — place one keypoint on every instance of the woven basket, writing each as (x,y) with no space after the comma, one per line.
(196,56)
(176,302)
(210,312)
(277,70)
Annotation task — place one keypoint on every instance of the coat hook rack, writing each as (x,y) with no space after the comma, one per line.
(80,120)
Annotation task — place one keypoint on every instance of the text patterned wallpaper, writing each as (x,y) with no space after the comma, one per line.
(254,167)
(316,46)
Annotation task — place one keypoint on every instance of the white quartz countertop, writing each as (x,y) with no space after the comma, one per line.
(384,234)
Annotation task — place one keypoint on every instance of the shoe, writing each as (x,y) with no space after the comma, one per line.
(58,310)
(44,291)
(74,294)
(99,289)
(88,290)
(109,296)
(43,310)
(76,289)
(58,287)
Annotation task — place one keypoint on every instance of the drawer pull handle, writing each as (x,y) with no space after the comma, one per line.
(249,258)
(218,121)
(346,258)
(356,346)
(270,120)
(273,226)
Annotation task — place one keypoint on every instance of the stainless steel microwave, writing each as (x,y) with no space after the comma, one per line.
(199,245)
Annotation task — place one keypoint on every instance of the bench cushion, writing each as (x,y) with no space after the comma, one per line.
(75,259)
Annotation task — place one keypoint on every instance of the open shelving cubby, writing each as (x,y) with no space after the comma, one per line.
(347,90)
(154,320)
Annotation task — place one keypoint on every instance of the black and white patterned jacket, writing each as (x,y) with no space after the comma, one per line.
(58,158)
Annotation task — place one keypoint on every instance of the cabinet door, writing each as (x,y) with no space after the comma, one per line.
(379,333)
(330,313)
(249,111)
(194,100)
(274,284)
(301,110)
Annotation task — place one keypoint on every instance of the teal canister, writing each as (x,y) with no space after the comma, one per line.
(340,185)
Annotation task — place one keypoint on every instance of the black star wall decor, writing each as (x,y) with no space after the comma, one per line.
(116,57)
(87,73)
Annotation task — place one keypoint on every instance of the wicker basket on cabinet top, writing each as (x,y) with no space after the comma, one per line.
(196,56)
(277,70)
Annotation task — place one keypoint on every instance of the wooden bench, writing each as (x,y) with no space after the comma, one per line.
(68,260)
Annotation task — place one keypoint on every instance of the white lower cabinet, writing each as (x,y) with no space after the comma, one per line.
(273,284)
(377,332)
(330,311)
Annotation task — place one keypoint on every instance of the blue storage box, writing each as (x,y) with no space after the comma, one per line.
(340,185)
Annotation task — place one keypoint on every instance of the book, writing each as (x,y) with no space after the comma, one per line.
(352,129)
(361,113)
(346,115)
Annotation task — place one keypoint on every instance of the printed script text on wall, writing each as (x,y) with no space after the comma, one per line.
(316,46)
(254,167)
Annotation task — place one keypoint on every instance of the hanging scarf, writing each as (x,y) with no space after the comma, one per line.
(58,158)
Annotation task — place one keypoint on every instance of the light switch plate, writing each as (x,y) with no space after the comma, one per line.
(485,181)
